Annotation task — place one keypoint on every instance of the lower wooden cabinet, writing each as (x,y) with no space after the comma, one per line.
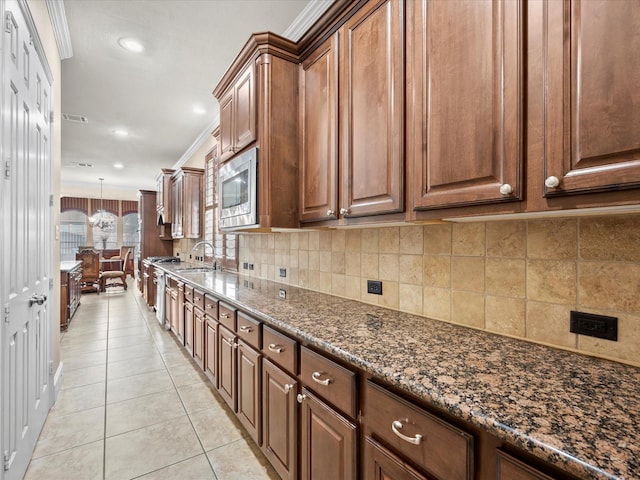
(227,366)
(279,420)
(70,291)
(510,468)
(211,351)
(188,326)
(249,393)
(382,464)
(441,449)
(328,441)
(199,326)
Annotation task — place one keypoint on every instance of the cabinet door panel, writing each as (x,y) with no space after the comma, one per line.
(227,366)
(198,336)
(319,133)
(465,101)
(226,126)
(279,421)
(372,93)
(381,464)
(593,100)
(211,352)
(188,327)
(329,442)
(244,110)
(249,390)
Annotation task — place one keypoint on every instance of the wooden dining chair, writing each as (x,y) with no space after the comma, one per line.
(90,281)
(121,275)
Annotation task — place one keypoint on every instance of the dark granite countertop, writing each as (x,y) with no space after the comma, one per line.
(579,413)
(69,265)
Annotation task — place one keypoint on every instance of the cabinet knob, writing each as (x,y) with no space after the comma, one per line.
(552,182)
(288,387)
(345,211)
(506,189)
(330,213)
(301,397)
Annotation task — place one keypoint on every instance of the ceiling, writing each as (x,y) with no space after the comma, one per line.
(189,44)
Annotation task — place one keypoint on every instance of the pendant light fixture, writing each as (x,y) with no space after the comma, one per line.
(101,219)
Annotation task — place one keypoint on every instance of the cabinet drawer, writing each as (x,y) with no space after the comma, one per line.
(198,298)
(188,293)
(331,381)
(211,306)
(249,330)
(510,468)
(280,348)
(445,451)
(227,316)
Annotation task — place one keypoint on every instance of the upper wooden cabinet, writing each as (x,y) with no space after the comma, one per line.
(319,133)
(187,197)
(258,107)
(238,114)
(465,101)
(352,138)
(371,110)
(592,102)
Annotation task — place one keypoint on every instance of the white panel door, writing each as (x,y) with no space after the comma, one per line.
(26,242)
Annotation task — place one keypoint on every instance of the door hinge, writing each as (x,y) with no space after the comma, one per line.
(50,367)
(7,169)
(51,200)
(51,283)
(7,310)
(8,23)
(7,459)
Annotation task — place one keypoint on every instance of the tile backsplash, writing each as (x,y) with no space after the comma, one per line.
(517,278)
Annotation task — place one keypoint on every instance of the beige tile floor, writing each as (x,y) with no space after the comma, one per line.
(134,405)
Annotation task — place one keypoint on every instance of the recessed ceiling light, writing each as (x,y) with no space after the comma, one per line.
(118,165)
(198,110)
(131,44)
(119,132)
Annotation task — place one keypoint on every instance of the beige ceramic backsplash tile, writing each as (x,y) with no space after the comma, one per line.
(518,278)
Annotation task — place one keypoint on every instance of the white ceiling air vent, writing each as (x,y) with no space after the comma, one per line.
(77,164)
(75,118)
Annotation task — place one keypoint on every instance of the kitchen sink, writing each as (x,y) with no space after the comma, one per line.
(194,270)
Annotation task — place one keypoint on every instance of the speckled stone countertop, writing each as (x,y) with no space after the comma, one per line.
(579,413)
(69,265)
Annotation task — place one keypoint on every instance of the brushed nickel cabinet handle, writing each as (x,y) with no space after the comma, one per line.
(396,426)
(275,348)
(246,329)
(506,189)
(301,397)
(224,315)
(288,387)
(316,378)
(229,342)
(345,211)
(330,213)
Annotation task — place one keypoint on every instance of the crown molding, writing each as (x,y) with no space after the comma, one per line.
(306,18)
(60,27)
(197,143)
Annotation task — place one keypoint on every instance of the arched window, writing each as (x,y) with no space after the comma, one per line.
(73,233)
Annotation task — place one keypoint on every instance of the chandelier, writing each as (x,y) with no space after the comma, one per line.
(101,219)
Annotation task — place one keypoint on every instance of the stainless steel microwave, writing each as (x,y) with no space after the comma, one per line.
(237,189)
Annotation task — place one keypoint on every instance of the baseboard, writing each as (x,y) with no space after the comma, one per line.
(57,382)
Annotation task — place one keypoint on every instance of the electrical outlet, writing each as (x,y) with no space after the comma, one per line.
(282,293)
(283,272)
(251,266)
(374,287)
(245,265)
(599,326)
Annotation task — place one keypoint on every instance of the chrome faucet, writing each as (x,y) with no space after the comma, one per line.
(210,244)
